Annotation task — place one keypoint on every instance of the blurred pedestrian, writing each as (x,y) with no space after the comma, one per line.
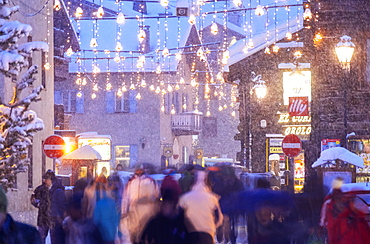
(58,209)
(119,167)
(105,215)
(343,221)
(139,203)
(41,200)
(187,179)
(78,228)
(89,200)
(169,183)
(13,232)
(202,211)
(167,227)
(115,187)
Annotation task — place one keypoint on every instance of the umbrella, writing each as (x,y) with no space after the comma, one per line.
(84,153)
(331,154)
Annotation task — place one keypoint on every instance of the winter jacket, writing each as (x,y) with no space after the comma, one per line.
(201,207)
(186,181)
(13,232)
(58,199)
(42,202)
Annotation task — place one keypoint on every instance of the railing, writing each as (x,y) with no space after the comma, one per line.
(187,122)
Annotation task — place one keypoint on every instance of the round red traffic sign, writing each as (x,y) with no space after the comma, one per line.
(54,146)
(291,145)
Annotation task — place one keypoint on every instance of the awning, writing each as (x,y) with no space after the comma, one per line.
(331,154)
(83,153)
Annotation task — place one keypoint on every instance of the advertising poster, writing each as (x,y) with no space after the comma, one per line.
(329,143)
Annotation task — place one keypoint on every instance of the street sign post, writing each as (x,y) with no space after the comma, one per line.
(54,146)
(291,145)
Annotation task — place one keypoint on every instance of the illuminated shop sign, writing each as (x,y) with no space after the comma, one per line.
(297,129)
(298,125)
(285,118)
(102,145)
(296,85)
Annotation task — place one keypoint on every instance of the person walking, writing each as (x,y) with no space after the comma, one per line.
(187,179)
(58,207)
(41,200)
(202,211)
(13,232)
(139,203)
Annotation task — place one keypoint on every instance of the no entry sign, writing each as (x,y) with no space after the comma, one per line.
(54,146)
(291,145)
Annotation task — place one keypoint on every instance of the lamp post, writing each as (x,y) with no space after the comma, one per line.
(344,50)
(260,89)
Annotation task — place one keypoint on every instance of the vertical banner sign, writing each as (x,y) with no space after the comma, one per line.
(298,106)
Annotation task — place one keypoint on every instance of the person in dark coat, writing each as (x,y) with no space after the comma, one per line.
(58,207)
(13,232)
(187,179)
(41,200)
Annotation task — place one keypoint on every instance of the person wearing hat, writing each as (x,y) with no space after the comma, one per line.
(13,232)
(41,200)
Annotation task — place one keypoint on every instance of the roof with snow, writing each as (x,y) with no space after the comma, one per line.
(172,32)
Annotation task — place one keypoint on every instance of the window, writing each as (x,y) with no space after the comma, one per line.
(126,103)
(126,155)
(70,101)
(172,101)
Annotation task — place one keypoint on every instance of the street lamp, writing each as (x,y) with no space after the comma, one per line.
(344,50)
(260,89)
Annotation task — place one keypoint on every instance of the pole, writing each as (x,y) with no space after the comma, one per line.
(345,113)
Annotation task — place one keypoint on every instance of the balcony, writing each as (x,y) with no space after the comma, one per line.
(189,123)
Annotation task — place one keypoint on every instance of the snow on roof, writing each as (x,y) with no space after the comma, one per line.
(177,33)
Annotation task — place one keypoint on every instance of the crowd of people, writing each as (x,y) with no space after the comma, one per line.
(201,207)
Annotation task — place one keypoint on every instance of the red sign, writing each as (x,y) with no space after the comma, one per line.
(291,145)
(298,106)
(54,146)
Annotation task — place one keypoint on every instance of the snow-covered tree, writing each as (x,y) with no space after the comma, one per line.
(17,122)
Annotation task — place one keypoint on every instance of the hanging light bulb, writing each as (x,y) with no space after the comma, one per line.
(192,19)
(95,87)
(208,113)
(259,10)
(225,57)
(233,113)
(164,3)
(267,50)
(69,52)
(200,2)
(120,18)
(84,81)
(96,69)
(93,42)
(140,62)
(289,35)
(151,87)
(106,51)
(173,111)
(193,82)
(100,12)
(132,87)
(79,12)
(138,96)
(245,49)
(200,52)
(165,52)
(275,48)
(57,5)
(162,108)
(214,28)
(141,36)
(196,101)
(225,106)
(220,108)
(184,106)
(250,44)
(158,90)
(233,41)
(119,46)
(169,88)
(143,83)
(177,87)
(182,81)
(124,88)
(219,76)
(158,70)
(237,3)
(47,66)
(178,56)
(93,96)
(79,94)
(78,81)
(108,86)
(117,59)
(119,93)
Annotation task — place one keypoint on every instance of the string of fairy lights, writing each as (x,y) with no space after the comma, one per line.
(140,62)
